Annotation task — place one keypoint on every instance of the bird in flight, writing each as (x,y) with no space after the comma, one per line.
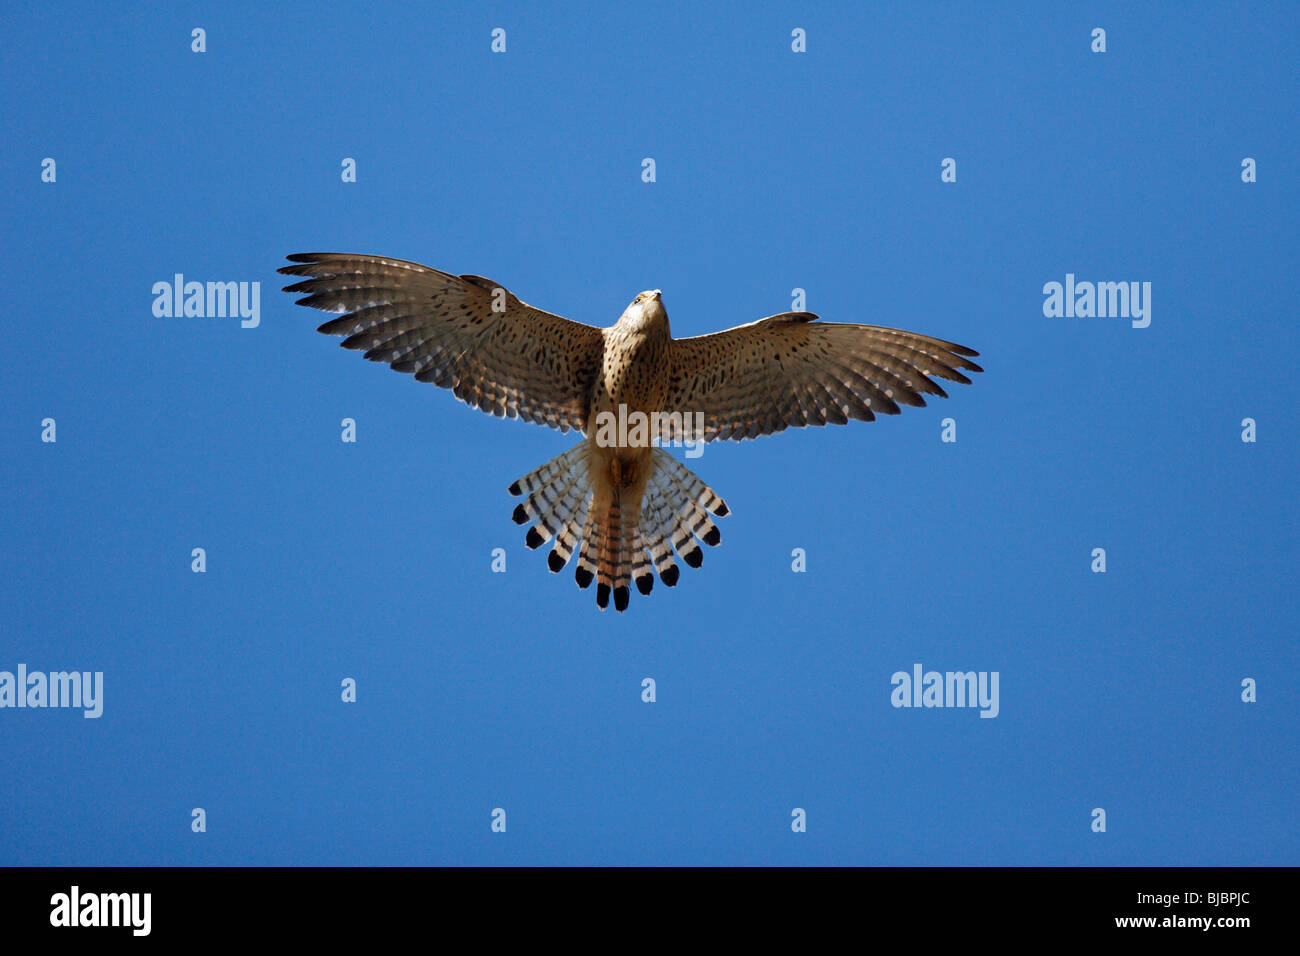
(617,500)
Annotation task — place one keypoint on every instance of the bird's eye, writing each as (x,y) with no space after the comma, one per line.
(639,298)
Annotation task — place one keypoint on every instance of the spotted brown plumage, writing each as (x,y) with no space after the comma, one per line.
(790,370)
(465,333)
(621,510)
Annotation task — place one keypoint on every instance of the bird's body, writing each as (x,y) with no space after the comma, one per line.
(617,500)
(635,360)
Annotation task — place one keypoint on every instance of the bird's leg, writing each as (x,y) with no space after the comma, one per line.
(622,474)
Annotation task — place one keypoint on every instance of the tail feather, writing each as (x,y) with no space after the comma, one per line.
(657,529)
(553,510)
(684,543)
(566,542)
(687,502)
(620,536)
(584,571)
(548,472)
(611,539)
(700,524)
(545,490)
(565,520)
(629,519)
(641,574)
(688,484)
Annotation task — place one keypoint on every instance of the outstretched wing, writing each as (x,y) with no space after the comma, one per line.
(465,333)
(789,370)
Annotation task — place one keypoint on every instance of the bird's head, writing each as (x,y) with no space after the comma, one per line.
(646,312)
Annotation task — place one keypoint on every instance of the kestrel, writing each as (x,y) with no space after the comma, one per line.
(617,499)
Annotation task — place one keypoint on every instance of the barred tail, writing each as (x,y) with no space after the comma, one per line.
(621,532)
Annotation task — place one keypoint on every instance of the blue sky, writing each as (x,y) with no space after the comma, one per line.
(775,170)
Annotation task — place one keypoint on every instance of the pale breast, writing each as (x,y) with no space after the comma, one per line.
(634,375)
